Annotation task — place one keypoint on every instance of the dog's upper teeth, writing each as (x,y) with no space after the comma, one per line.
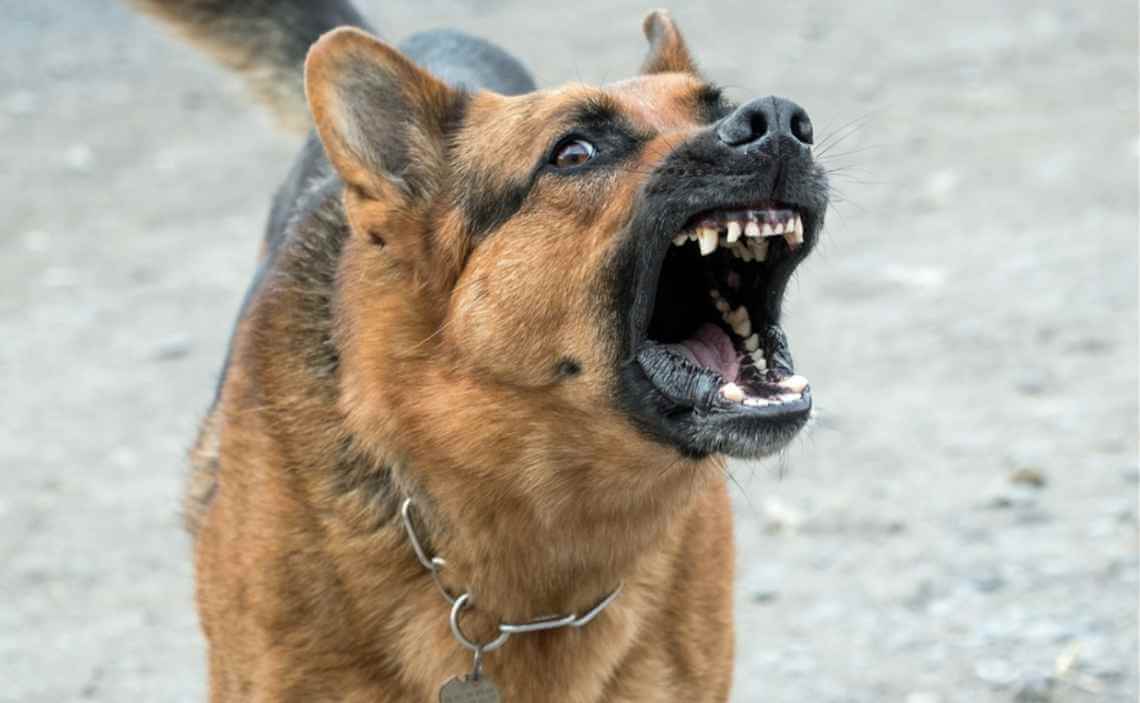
(745,232)
(708,240)
(794,235)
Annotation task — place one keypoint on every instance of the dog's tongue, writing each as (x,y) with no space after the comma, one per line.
(711,348)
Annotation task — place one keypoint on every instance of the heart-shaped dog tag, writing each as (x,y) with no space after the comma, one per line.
(469,690)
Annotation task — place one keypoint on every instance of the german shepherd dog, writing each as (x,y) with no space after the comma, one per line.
(473,421)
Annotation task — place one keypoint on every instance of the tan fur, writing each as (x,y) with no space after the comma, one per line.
(541,494)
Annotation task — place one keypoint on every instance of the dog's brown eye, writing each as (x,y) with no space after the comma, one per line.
(573,152)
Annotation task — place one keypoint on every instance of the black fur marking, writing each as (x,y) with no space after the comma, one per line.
(369,481)
(487,204)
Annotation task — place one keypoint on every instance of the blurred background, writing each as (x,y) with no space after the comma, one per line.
(959,525)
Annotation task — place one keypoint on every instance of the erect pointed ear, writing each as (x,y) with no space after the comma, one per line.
(382,119)
(667,50)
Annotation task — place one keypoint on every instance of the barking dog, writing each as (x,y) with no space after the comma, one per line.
(469,439)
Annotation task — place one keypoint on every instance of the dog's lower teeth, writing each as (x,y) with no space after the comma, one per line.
(795,384)
(732,392)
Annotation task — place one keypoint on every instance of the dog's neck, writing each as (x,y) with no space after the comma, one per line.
(522,561)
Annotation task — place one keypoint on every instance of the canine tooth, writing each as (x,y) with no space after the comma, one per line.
(752,229)
(732,392)
(708,240)
(680,239)
(794,239)
(752,343)
(795,236)
(795,384)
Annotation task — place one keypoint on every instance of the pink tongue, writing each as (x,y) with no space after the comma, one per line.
(711,348)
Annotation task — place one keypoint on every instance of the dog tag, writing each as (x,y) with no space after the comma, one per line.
(469,690)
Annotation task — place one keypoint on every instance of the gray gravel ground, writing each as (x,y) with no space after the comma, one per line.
(960,524)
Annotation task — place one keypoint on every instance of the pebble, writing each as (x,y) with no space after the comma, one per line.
(996,672)
(172,348)
(780,517)
(988,582)
(79,158)
(1028,476)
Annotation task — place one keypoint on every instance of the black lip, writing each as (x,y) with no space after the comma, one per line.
(704,175)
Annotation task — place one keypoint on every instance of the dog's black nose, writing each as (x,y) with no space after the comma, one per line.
(765,118)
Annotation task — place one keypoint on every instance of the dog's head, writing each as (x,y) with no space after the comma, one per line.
(583,273)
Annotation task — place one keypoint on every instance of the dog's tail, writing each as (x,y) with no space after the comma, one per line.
(263,40)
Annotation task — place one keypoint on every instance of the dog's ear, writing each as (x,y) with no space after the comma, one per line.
(667,50)
(382,120)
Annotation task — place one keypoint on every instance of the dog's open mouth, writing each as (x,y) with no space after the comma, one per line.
(712,341)
(714,348)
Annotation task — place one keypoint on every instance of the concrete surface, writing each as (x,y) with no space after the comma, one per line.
(969,324)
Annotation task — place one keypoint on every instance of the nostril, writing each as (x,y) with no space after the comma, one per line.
(801,127)
(757,124)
